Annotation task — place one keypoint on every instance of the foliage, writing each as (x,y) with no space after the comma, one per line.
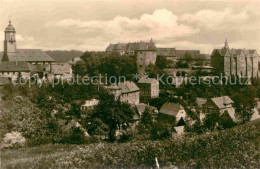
(233,148)
(110,64)
(23,116)
(162,62)
(181,64)
(115,116)
(244,102)
(79,69)
(75,136)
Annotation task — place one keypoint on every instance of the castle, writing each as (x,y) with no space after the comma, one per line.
(145,52)
(236,62)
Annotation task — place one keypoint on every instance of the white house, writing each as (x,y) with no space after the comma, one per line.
(89,104)
(176,110)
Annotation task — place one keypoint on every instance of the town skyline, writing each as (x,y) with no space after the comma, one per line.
(93,25)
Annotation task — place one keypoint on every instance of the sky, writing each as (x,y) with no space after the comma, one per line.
(94,24)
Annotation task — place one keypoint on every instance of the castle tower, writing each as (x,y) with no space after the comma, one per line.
(9,42)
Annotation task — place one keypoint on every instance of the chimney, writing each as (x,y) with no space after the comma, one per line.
(15,62)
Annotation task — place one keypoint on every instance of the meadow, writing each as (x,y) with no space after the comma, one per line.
(238,147)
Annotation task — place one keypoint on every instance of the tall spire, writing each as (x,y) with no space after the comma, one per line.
(10,20)
(226,44)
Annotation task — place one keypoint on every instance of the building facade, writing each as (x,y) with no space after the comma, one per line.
(126,92)
(238,62)
(149,88)
(145,52)
(220,104)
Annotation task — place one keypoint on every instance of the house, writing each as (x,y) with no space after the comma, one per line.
(255,111)
(243,62)
(255,114)
(61,70)
(174,110)
(14,69)
(126,91)
(114,89)
(169,53)
(141,108)
(74,60)
(129,92)
(220,104)
(181,54)
(149,88)
(89,104)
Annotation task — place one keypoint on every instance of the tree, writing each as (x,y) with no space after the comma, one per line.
(162,62)
(114,114)
(79,68)
(146,121)
(244,102)
(226,121)
(211,120)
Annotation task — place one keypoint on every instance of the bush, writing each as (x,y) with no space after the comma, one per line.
(23,116)
(13,139)
(76,136)
(231,148)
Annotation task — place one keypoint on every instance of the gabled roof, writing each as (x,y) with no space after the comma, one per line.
(235,52)
(181,53)
(14,67)
(120,46)
(146,46)
(63,56)
(30,55)
(128,87)
(166,52)
(141,108)
(147,80)
(129,47)
(171,109)
(110,48)
(222,102)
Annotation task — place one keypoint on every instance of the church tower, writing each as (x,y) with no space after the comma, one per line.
(9,42)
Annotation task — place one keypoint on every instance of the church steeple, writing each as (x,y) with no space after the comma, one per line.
(226,44)
(9,42)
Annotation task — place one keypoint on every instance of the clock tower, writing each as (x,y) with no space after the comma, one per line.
(9,42)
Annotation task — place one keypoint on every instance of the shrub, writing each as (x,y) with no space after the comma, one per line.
(75,136)
(23,116)
(13,139)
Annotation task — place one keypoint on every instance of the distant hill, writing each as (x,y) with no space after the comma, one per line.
(62,56)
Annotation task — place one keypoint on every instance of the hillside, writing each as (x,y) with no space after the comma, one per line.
(62,56)
(233,148)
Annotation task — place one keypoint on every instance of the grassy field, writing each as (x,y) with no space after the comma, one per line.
(235,148)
